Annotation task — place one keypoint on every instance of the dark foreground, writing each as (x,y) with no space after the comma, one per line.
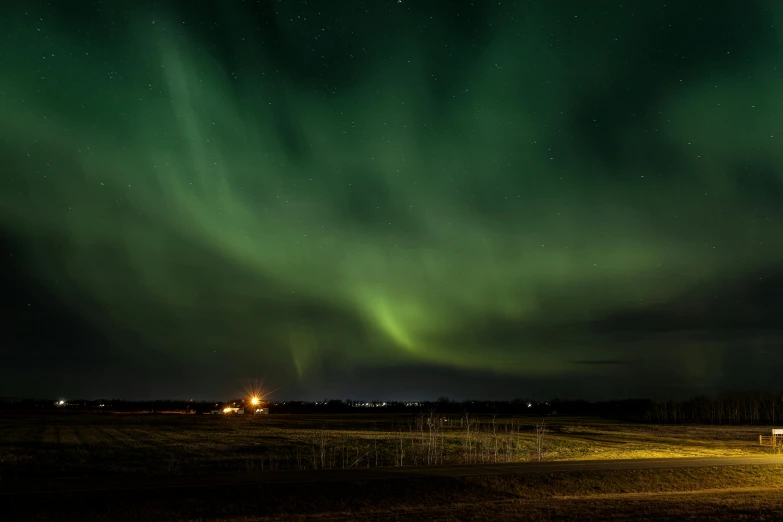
(261,478)
(657,489)
(370,467)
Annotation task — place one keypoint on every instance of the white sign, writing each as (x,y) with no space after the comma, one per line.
(777,431)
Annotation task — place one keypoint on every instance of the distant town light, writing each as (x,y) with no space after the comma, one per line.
(254,401)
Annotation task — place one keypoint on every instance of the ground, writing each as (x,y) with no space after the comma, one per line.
(104,446)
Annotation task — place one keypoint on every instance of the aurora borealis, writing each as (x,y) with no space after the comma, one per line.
(392,199)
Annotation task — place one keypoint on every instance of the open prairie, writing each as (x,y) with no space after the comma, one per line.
(97,447)
(76,444)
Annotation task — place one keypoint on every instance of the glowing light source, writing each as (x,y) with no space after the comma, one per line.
(254,401)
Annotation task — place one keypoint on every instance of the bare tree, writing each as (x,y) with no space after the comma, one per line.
(540,440)
(468,423)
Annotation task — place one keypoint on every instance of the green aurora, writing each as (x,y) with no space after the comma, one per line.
(375,186)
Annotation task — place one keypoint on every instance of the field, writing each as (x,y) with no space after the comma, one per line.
(92,444)
(74,446)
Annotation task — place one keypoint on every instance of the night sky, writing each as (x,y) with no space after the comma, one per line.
(391,199)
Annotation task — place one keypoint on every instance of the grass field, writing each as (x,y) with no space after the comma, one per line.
(106,444)
(734,493)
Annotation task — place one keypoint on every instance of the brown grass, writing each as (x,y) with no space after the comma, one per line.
(105,444)
(717,493)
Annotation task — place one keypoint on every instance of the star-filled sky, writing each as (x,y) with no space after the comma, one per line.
(391,199)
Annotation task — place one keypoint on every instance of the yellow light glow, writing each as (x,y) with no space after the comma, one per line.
(254,401)
(226,410)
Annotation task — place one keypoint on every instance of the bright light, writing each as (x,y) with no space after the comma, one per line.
(62,402)
(226,410)
(254,401)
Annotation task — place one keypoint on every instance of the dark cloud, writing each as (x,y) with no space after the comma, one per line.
(746,305)
(601,362)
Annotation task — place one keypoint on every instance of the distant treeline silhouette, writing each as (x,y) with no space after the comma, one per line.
(728,408)
(635,408)
(764,408)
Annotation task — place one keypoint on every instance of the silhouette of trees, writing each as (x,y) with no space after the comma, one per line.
(763,408)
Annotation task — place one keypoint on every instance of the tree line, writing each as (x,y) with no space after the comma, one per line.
(765,408)
(760,408)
